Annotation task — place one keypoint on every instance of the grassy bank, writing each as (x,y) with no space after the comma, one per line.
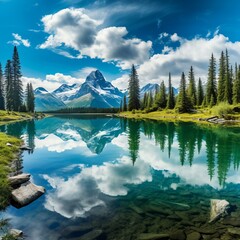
(7,154)
(171,115)
(6,117)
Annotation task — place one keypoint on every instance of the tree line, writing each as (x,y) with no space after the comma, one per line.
(12,95)
(223,86)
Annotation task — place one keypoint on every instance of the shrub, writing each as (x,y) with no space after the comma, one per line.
(133,111)
(222,109)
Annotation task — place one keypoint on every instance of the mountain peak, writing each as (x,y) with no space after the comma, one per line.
(95,76)
(40,90)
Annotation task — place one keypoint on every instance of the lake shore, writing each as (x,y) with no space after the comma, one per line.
(171,116)
(9,117)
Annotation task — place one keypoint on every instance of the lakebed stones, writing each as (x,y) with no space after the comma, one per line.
(153,236)
(194,236)
(219,208)
(16,233)
(26,193)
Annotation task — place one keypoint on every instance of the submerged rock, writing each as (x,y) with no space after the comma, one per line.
(219,208)
(234,231)
(153,236)
(19,179)
(27,193)
(194,236)
(178,235)
(16,233)
(94,234)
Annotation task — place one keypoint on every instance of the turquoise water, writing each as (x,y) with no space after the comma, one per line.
(111,178)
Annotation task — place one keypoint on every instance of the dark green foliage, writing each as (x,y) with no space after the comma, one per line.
(2,101)
(236,86)
(161,98)
(170,98)
(124,103)
(30,98)
(149,100)
(145,100)
(17,82)
(192,92)
(200,93)
(221,78)
(134,90)
(211,92)
(183,104)
(227,81)
(9,99)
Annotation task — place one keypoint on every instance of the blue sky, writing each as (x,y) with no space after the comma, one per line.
(62,41)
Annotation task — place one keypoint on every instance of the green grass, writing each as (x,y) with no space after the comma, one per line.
(9,116)
(7,154)
(171,115)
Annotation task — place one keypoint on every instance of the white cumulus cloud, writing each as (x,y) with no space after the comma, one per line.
(194,52)
(18,40)
(73,29)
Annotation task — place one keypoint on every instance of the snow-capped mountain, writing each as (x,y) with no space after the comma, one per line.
(148,88)
(45,101)
(65,91)
(96,92)
(152,87)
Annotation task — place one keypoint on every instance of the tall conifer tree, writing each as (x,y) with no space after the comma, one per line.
(9,86)
(192,92)
(2,102)
(200,93)
(236,87)
(170,98)
(221,78)
(211,92)
(227,81)
(134,90)
(17,82)
(183,103)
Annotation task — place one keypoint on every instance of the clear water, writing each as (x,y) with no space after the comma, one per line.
(111,178)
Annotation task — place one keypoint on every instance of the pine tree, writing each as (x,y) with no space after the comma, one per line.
(134,90)
(2,102)
(30,98)
(170,99)
(150,100)
(236,86)
(9,86)
(183,103)
(221,78)
(227,81)
(17,82)
(124,103)
(120,107)
(200,93)
(145,99)
(161,99)
(192,92)
(211,92)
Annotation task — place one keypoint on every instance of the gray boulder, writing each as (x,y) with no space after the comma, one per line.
(26,193)
(219,208)
(19,179)
(16,233)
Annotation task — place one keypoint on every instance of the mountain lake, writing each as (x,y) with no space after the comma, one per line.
(112,178)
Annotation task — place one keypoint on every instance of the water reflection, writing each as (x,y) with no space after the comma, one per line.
(96,168)
(219,145)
